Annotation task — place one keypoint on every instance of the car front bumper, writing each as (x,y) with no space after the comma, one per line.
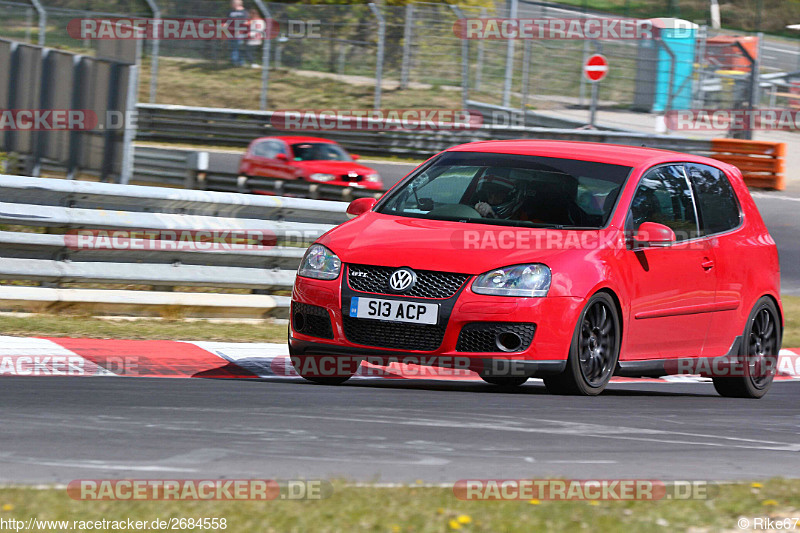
(554,319)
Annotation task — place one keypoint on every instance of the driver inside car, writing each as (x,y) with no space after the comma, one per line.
(499,197)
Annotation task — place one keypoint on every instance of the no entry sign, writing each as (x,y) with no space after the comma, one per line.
(595,68)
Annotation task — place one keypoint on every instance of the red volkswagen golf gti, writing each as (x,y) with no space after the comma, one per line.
(567,261)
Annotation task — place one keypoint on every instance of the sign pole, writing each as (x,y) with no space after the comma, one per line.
(595,69)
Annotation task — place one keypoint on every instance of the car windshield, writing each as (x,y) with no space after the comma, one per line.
(507,189)
(319,152)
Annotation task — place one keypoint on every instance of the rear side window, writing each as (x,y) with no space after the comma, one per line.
(716,201)
(664,197)
(262,149)
(269,149)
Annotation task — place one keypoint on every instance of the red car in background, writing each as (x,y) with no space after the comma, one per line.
(307,158)
(572,262)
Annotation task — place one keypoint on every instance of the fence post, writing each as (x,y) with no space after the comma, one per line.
(28,24)
(526,59)
(479,66)
(509,74)
(464,62)
(408,33)
(379,56)
(265,53)
(33,164)
(154,51)
(697,90)
(42,20)
(755,66)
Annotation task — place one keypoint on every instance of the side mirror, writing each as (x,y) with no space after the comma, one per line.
(282,157)
(355,157)
(360,206)
(651,234)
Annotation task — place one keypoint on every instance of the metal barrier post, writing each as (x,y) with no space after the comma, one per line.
(28,24)
(379,55)
(479,66)
(42,20)
(265,53)
(464,62)
(408,32)
(509,74)
(33,164)
(526,59)
(74,135)
(154,51)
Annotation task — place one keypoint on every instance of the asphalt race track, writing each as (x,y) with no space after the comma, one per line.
(59,429)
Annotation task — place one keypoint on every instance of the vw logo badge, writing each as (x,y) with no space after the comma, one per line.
(402,279)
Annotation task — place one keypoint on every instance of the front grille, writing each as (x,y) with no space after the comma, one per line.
(401,336)
(311,320)
(480,336)
(345,177)
(430,284)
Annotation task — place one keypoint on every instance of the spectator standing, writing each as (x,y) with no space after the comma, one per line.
(237,45)
(258,32)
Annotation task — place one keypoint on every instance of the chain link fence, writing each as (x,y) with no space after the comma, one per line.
(415,46)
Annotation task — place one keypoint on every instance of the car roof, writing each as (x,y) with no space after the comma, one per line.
(294,139)
(617,154)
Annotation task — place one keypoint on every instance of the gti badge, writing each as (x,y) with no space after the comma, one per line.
(402,279)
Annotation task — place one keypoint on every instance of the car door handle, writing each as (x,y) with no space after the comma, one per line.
(707,264)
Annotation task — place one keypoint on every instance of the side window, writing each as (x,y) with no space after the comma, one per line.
(279,148)
(664,197)
(262,149)
(269,149)
(716,201)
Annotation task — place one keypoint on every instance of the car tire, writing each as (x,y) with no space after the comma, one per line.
(761,344)
(594,350)
(506,382)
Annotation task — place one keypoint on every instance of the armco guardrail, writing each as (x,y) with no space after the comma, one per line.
(237,127)
(54,258)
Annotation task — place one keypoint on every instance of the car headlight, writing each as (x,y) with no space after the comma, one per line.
(519,280)
(374,177)
(319,263)
(322,177)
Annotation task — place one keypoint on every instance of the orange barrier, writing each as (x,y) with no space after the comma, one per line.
(761,162)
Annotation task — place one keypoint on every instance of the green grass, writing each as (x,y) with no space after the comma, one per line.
(791,314)
(86,327)
(205,83)
(421,509)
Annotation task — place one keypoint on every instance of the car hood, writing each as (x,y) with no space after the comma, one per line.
(333,167)
(386,240)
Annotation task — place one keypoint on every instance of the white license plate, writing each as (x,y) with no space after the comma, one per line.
(394,310)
